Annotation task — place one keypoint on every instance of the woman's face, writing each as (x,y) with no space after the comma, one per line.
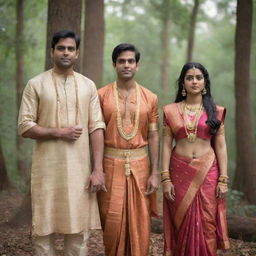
(194,81)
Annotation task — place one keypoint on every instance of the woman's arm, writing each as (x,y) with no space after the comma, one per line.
(168,188)
(221,155)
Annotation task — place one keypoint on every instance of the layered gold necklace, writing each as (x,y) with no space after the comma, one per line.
(58,100)
(191,126)
(120,128)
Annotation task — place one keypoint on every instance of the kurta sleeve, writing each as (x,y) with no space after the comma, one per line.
(154,115)
(95,114)
(28,109)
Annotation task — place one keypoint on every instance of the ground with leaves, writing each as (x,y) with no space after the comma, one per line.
(15,241)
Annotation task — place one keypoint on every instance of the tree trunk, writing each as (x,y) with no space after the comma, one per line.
(21,164)
(4,181)
(165,54)
(62,14)
(245,178)
(191,32)
(94,40)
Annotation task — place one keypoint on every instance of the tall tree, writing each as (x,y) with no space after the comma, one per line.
(21,164)
(62,14)
(165,45)
(191,32)
(4,180)
(245,178)
(163,9)
(168,12)
(94,40)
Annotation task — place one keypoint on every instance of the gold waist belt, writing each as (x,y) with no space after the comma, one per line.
(127,155)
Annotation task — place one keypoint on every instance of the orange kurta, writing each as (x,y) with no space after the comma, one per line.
(125,209)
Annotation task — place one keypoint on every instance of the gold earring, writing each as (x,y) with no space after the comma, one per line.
(183,92)
(204,91)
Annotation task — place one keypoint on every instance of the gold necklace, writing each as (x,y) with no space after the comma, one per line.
(191,128)
(192,108)
(58,99)
(119,118)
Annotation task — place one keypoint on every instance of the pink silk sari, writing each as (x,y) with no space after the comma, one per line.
(195,223)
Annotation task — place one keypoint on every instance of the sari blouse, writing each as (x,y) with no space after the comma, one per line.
(173,121)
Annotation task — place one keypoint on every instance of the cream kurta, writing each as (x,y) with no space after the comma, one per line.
(61,199)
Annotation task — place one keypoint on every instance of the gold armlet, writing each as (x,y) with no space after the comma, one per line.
(167,131)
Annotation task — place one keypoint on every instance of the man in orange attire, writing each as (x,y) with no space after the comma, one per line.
(60,110)
(131,117)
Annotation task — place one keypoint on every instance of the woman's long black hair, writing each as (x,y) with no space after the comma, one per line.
(208,102)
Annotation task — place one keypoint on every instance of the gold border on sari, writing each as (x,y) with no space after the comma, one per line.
(202,164)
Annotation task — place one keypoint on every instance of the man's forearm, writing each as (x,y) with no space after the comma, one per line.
(97,143)
(153,143)
(38,132)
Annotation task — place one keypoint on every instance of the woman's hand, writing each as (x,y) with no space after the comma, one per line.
(221,190)
(169,191)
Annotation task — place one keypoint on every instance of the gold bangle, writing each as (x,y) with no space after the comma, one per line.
(167,178)
(167,181)
(223,179)
(225,176)
(222,183)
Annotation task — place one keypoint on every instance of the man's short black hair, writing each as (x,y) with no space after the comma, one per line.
(125,47)
(65,34)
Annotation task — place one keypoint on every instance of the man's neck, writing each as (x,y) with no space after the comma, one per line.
(64,72)
(126,84)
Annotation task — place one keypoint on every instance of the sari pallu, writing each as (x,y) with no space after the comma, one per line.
(195,223)
(125,210)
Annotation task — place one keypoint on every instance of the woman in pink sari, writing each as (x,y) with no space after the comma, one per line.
(194,172)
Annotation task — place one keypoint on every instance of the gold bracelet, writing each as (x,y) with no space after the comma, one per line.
(167,181)
(165,173)
(223,176)
(222,183)
(167,178)
(223,179)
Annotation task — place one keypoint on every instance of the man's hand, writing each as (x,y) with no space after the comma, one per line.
(97,181)
(152,184)
(71,133)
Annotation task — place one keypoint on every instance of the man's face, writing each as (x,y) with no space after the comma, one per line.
(126,66)
(65,53)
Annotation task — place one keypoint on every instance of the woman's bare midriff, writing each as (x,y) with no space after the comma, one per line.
(192,150)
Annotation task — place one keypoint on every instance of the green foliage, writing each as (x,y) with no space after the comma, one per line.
(236,206)
(34,51)
(137,22)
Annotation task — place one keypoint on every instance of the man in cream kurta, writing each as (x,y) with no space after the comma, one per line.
(60,110)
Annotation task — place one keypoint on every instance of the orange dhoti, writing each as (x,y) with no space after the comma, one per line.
(125,210)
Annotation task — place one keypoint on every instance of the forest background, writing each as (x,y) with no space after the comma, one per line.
(220,34)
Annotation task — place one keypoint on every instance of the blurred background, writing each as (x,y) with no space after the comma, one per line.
(220,34)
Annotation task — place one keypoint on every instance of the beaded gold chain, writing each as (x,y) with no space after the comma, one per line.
(119,118)
(191,129)
(58,99)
